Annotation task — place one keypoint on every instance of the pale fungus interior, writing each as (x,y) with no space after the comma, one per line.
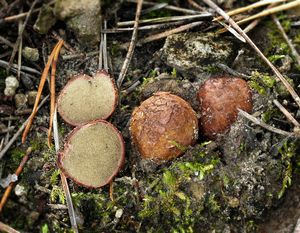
(93,155)
(85,99)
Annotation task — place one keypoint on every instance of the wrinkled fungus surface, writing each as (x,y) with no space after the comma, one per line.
(163,126)
(93,154)
(86,98)
(220,99)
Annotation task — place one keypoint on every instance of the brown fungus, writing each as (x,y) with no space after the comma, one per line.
(86,98)
(163,126)
(220,99)
(93,154)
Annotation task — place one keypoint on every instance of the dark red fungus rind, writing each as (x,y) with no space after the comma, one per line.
(61,154)
(220,99)
(161,122)
(86,77)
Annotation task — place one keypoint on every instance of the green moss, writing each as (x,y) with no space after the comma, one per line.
(54,177)
(261,82)
(57,194)
(213,204)
(287,152)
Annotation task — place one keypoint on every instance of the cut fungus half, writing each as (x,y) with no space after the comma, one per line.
(163,126)
(86,98)
(220,99)
(93,154)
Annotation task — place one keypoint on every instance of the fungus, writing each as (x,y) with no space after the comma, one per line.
(93,154)
(163,126)
(220,99)
(86,98)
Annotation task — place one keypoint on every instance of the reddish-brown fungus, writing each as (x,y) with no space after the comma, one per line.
(86,98)
(93,154)
(220,99)
(162,126)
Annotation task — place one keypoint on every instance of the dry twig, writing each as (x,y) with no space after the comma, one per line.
(195,5)
(250,42)
(287,114)
(132,44)
(17,172)
(17,134)
(6,228)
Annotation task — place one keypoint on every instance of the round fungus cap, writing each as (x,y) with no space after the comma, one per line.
(220,99)
(162,126)
(93,154)
(86,98)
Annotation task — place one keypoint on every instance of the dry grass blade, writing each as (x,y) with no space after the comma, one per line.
(271,11)
(288,41)
(264,125)
(63,177)
(131,45)
(249,7)
(287,114)
(195,5)
(6,228)
(17,172)
(40,89)
(250,42)
(52,88)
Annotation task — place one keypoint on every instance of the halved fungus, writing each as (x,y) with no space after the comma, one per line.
(93,154)
(86,98)
(163,126)
(220,99)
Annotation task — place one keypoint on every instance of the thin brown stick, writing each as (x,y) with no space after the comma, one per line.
(250,42)
(8,229)
(286,38)
(111,190)
(39,93)
(17,172)
(52,89)
(168,33)
(195,5)
(66,44)
(249,7)
(131,45)
(18,133)
(264,125)
(7,42)
(16,46)
(287,114)
(20,50)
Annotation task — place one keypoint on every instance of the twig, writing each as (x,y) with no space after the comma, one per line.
(232,71)
(17,134)
(4,3)
(78,55)
(155,7)
(288,41)
(5,64)
(40,89)
(168,33)
(23,15)
(263,124)
(21,34)
(52,88)
(169,7)
(7,130)
(132,44)
(249,7)
(17,172)
(195,5)
(63,178)
(8,229)
(20,50)
(66,44)
(7,42)
(166,19)
(250,42)
(148,27)
(287,114)
(131,88)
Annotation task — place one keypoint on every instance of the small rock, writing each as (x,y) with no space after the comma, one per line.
(7,180)
(20,100)
(20,190)
(31,96)
(83,17)
(45,20)
(119,213)
(11,84)
(31,54)
(196,53)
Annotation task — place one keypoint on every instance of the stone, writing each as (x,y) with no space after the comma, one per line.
(46,19)
(31,54)
(20,100)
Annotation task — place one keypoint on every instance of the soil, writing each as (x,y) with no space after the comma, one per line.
(246,180)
